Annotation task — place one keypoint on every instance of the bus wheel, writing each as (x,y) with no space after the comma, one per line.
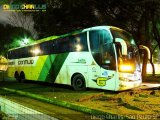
(78,82)
(22,77)
(16,75)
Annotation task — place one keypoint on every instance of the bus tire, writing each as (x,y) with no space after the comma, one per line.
(22,77)
(16,76)
(78,82)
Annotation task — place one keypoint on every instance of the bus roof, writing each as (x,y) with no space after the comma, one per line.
(65,35)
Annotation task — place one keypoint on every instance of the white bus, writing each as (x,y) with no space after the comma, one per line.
(102,57)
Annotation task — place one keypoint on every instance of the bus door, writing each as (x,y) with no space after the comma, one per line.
(103,52)
(94,73)
(103,70)
(108,66)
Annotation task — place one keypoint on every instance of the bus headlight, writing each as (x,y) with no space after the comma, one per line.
(126,68)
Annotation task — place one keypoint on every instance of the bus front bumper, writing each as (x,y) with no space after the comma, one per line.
(129,85)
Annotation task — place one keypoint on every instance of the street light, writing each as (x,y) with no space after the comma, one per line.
(24,41)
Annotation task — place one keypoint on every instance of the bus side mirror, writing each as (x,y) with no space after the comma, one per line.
(146,49)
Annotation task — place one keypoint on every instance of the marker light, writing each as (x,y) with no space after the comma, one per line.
(126,68)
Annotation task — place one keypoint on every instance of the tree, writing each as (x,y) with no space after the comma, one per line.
(64,16)
(24,20)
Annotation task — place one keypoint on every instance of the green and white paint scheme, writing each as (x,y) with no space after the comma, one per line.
(97,61)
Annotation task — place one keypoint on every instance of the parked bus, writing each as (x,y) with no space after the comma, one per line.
(102,57)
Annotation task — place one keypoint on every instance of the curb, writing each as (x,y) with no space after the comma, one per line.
(96,113)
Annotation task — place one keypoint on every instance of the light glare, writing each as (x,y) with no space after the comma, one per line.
(78,47)
(36,51)
(125,68)
(26,40)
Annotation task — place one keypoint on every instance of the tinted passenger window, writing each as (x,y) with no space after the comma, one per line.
(47,47)
(78,42)
(62,45)
(74,43)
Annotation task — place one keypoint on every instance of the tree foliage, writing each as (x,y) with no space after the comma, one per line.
(63,16)
(22,20)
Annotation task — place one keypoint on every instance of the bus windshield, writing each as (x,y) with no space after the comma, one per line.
(127,51)
(102,49)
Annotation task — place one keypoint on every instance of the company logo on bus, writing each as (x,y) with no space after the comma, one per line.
(101,81)
(23,62)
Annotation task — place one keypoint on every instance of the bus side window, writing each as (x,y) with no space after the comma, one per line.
(10,55)
(20,55)
(94,41)
(47,48)
(62,45)
(23,53)
(13,54)
(55,46)
(28,53)
(95,46)
(78,43)
(43,48)
(16,53)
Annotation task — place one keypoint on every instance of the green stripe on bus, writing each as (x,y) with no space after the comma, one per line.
(46,67)
(49,75)
(56,66)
